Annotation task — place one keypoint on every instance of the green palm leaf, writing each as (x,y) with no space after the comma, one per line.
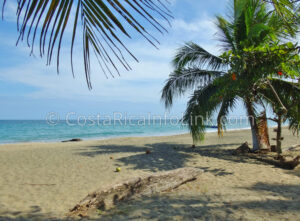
(102,24)
(228,103)
(200,108)
(192,54)
(186,79)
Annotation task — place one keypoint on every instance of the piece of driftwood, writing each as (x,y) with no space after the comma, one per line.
(72,140)
(104,199)
(289,165)
(243,149)
(278,161)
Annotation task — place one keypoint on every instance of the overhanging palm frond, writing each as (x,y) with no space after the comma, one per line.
(102,23)
(192,54)
(186,79)
(200,108)
(227,105)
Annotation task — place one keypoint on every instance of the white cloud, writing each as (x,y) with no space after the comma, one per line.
(143,83)
(10,10)
(205,25)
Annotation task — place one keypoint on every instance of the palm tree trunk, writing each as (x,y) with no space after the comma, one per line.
(278,137)
(263,131)
(254,128)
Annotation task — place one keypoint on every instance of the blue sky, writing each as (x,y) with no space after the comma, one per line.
(29,89)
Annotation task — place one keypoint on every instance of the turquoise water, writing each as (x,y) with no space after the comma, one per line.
(15,131)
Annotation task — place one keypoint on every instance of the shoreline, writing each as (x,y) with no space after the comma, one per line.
(117,137)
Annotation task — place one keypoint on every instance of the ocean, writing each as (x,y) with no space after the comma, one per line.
(16,131)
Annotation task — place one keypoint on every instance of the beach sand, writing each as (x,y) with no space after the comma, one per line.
(42,181)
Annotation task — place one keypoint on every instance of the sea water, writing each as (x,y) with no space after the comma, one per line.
(15,131)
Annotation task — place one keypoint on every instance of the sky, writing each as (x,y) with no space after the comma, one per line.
(30,90)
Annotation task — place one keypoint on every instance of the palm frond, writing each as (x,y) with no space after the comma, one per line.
(200,108)
(288,92)
(288,11)
(103,22)
(228,103)
(192,54)
(225,33)
(186,79)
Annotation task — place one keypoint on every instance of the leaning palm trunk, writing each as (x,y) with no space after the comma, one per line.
(254,127)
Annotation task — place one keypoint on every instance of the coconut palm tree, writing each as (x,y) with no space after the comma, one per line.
(102,25)
(219,82)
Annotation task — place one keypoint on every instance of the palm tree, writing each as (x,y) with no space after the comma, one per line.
(220,81)
(103,24)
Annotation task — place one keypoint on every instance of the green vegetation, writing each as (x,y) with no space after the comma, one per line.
(257,55)
(288,10)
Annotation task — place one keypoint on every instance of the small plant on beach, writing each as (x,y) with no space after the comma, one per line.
(253,54)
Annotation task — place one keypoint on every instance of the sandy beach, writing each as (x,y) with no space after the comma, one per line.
(42,181)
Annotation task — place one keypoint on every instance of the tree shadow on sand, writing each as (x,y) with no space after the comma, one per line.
(219,152)
(290,201)
(34,214)
(223,153)
(162,157)
(204,207)
(167,156)
(170,208)
(160,207)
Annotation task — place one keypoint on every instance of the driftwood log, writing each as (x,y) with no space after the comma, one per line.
(288,165)
(72,140)
(278,161)
(105,199)
(243,149)
(262,155)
